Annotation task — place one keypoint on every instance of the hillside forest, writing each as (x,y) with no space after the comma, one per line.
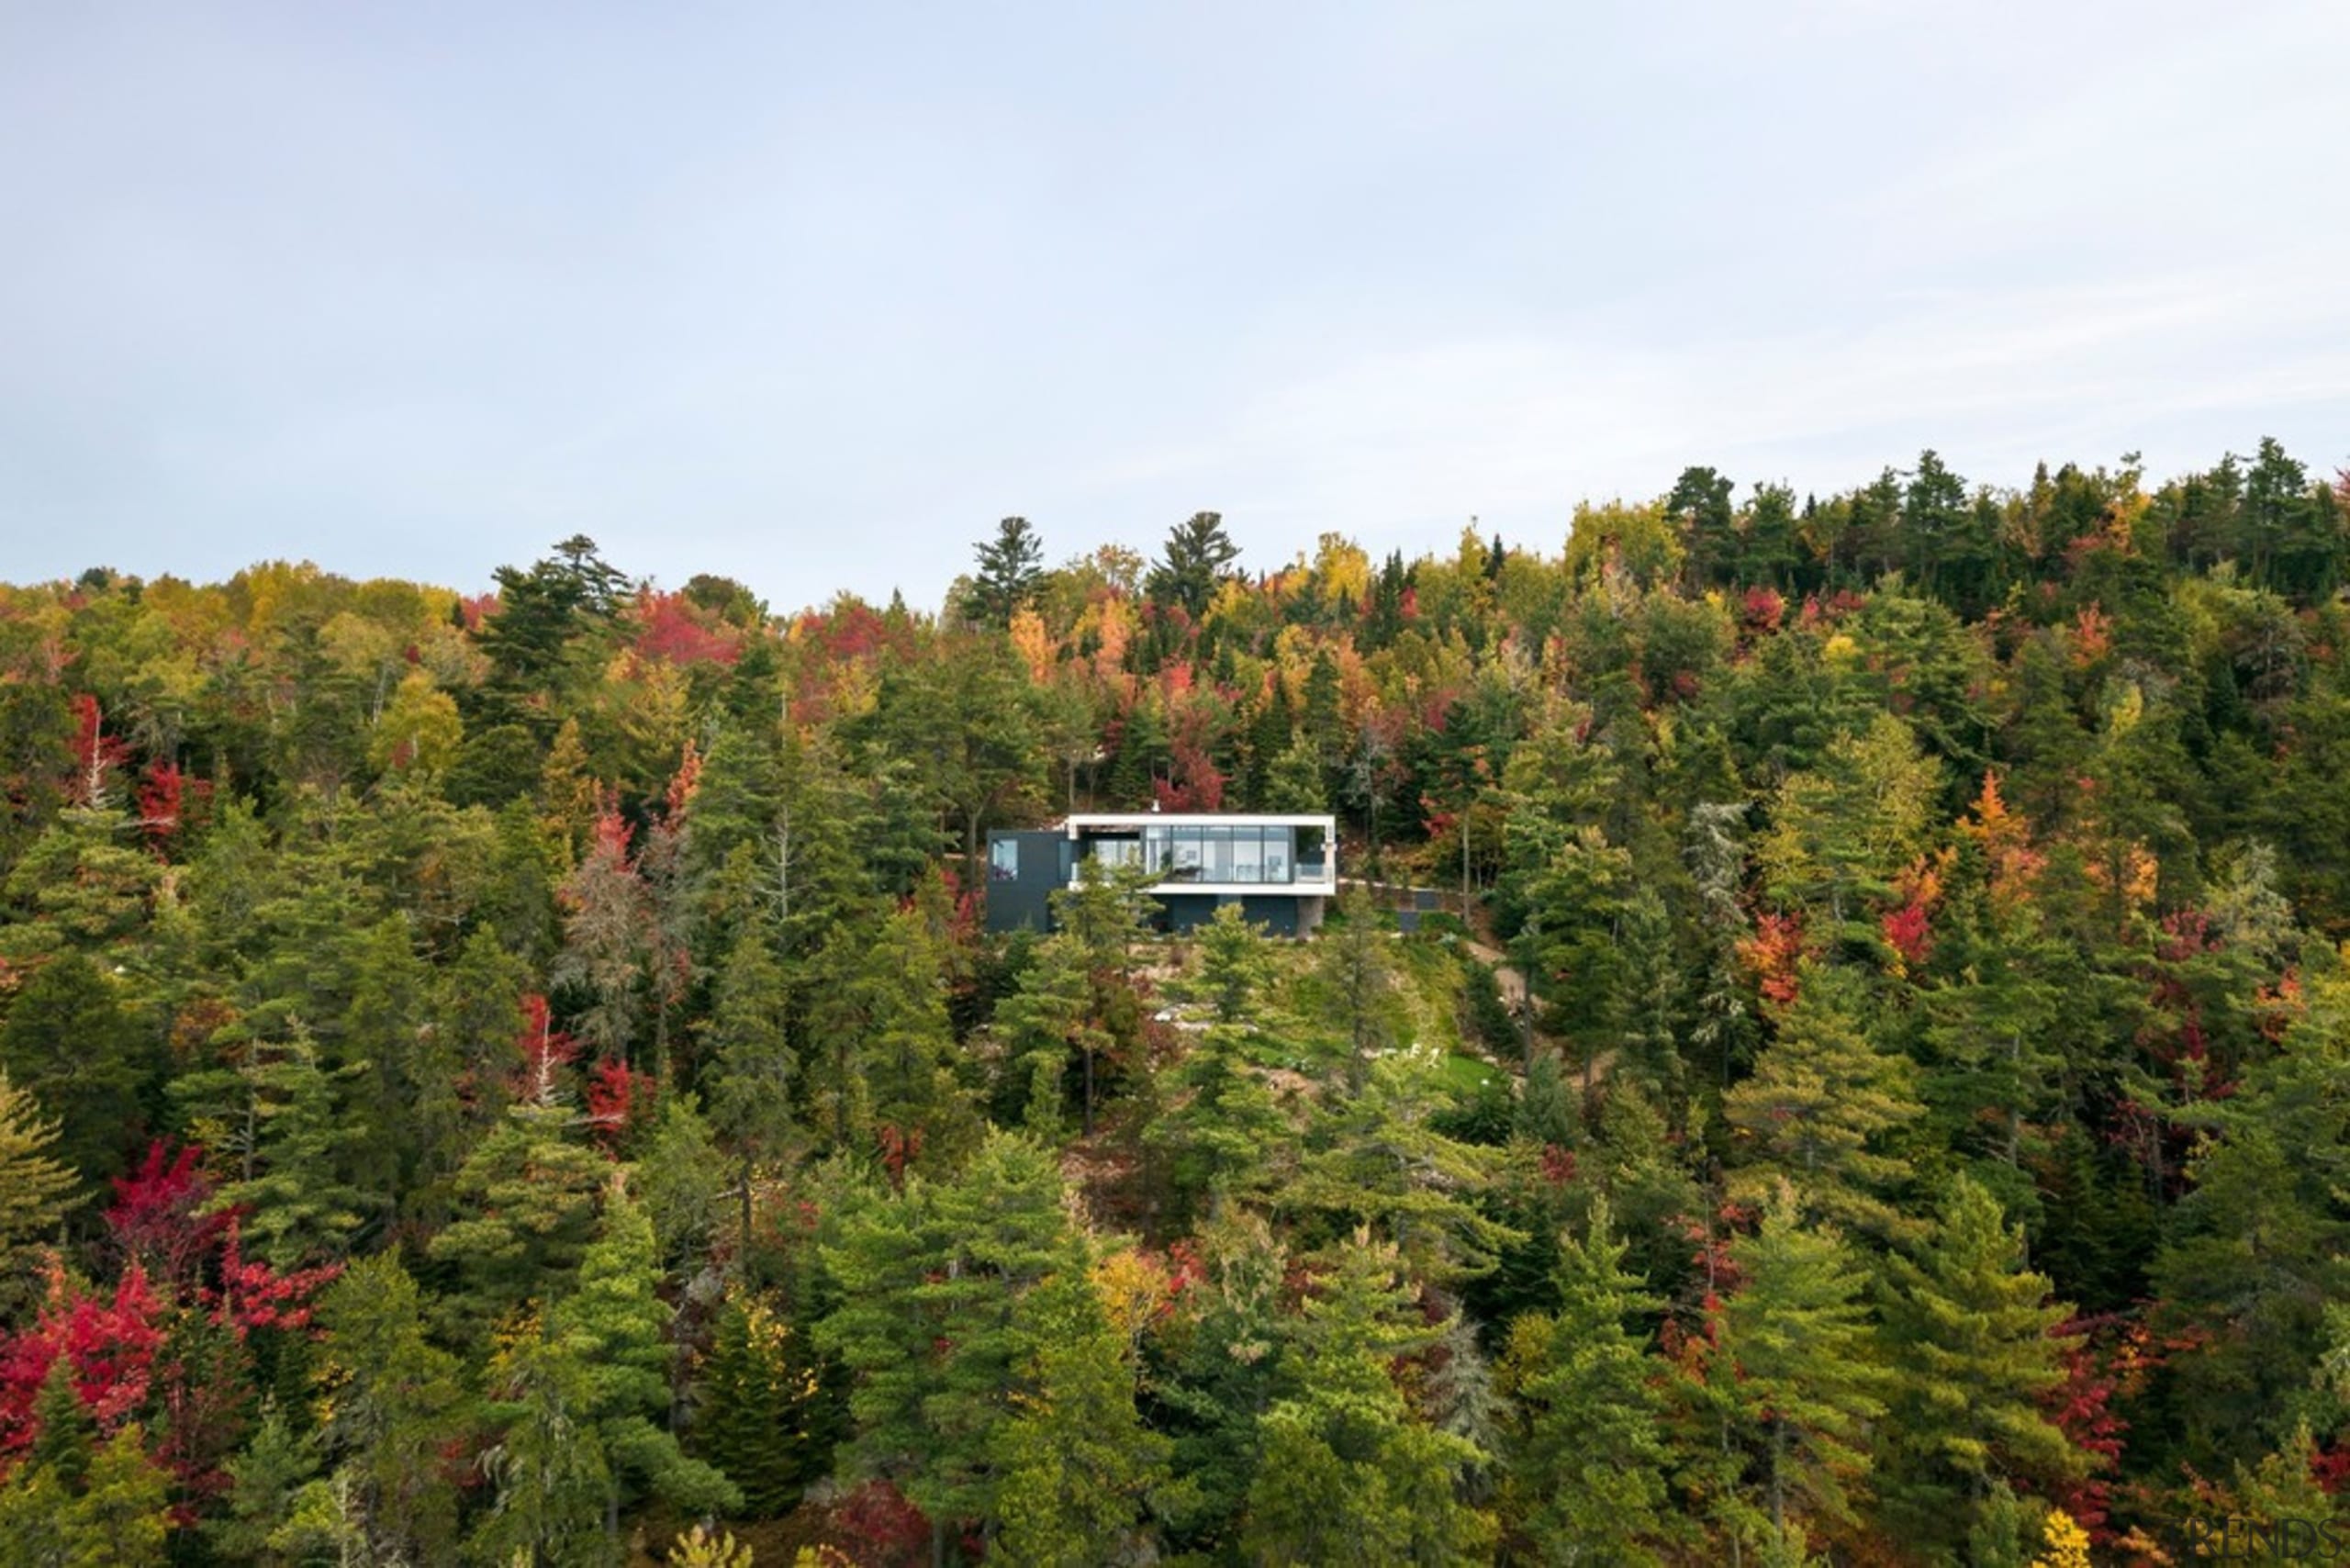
(521,1077)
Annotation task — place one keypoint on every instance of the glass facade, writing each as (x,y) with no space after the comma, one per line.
(1249,855)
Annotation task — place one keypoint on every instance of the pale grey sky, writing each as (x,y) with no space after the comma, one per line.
(811,295)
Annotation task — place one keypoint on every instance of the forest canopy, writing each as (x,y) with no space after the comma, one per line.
(523,1076)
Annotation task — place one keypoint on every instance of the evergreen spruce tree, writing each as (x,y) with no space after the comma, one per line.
(758,1392)
(1009,567)
(1046,1024)
(71,1043)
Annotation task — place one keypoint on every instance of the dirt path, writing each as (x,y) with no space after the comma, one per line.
(1512,985)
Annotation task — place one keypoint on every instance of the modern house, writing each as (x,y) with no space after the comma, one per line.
(1281,870)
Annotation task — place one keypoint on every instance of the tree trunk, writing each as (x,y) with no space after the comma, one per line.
(743,1256)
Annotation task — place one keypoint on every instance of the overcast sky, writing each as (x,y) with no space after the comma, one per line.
(811,295)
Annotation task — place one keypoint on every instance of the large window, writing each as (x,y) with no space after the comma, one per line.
(1219,853)
(1276,857)
(1004,860)
(1235,854)
(1117,851)
(1248,854)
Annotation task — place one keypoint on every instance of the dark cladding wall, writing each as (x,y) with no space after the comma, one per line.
(1279,916)
(1018,892)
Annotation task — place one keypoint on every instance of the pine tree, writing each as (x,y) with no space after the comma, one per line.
(887,1053)
(115,1514)
(526,1208)
(926,1325)
(1991,1034)
(272,1120)
(612,1325)
(1377,1159)
(1078,1466)
(554,1475)
(1358,977)
(1808,1377)
(1346,1474)
(1235,965)
(681,1178)
(394,1402)
(2262,1242)
(1969,1330)
(1297,779)
(268,1482)
(1584,1452)
(751,1065)
(1819,1108)
(65,1439)
(1219,1122)
(72,1044)
(1198,554)
(123,1515)
(35,1191)
(1839,834)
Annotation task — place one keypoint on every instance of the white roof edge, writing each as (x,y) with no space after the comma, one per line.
(1199,819)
